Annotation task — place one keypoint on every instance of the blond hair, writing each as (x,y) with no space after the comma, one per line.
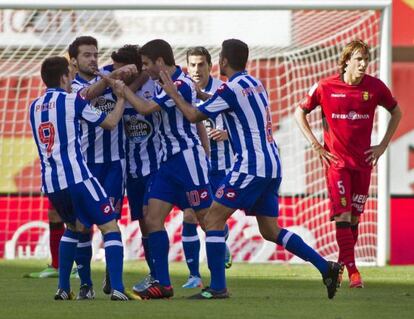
(349,49)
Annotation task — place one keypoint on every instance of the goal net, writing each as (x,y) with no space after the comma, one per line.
(290,50)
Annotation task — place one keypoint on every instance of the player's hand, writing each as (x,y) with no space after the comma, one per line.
(218,135)
(118,87)
(167,84)
(327,157)
(374,153)
(203,96)
(125,72)
(108,80)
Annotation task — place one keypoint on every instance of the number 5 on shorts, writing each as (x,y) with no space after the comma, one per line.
(341,187)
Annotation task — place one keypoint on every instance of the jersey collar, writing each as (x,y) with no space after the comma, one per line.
(176,73)
(55,89)
(209,84)
(237,74)
(80,79)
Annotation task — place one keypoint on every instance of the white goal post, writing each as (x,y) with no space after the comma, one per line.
(293,44)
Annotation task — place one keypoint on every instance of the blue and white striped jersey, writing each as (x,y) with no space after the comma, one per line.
(245,106)
(177,133)
(221,154)
(143,145)
(55,118)
(99,145)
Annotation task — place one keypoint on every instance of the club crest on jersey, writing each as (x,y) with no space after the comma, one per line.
(365,95)
(343,201)
(147,95)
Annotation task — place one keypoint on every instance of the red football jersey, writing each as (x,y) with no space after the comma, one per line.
(348,115)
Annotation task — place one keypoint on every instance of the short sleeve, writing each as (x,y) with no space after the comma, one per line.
(221,101)
(312,100)
(165,101)
(385,97)
(87,112)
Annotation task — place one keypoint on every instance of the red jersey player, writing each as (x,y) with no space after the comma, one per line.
(348,101)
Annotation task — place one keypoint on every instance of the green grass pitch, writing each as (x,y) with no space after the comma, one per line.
(257,291)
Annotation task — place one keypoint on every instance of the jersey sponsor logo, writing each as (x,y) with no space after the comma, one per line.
(138,130)
(358,202)
(358,198)
(95,110)
(338,95)
(365,95)
(104,105)
(352,115)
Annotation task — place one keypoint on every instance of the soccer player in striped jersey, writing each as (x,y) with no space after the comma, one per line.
(221,157)
(348,101)
(254,180)
(55,118)
(182,178)
(143,147)
(56,230)
(103,149)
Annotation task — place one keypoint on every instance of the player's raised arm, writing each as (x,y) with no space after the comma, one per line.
(98,87)
(376,151)
(190,112)
(113,118)
(140,105)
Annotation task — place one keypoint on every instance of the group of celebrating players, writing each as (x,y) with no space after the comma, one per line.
(194,142)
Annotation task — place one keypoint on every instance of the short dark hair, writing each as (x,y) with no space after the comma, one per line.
(236,52)
(199,51)
(128,54)
(83,40)
(158,49)
(53,68)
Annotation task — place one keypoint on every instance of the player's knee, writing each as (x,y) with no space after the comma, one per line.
(143,227)
(71,227)
(109,227)
(214,220)
(270,234)
(153,222)
(344,217)
(190,216)
(53,216)
(354,220)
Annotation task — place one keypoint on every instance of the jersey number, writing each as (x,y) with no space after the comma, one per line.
(46,132)
(341,187)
